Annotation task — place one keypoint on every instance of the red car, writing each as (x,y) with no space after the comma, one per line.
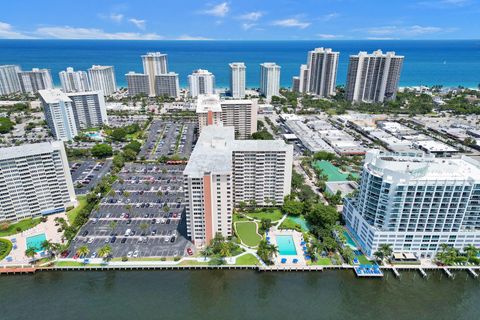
(75,256)
(189,251)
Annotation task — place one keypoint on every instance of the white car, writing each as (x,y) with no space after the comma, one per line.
(94,255)
(135,254)
(90,240)
(129,254)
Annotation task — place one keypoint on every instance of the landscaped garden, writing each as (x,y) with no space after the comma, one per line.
(5,248)
(246,260)
(7,229)
(274,214)
(72,214)
(247,233)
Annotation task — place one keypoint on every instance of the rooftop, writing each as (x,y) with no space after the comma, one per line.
(30,149)
(422,167)
(53,96)
(213,151)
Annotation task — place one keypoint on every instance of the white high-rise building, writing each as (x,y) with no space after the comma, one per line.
(303,79)
(373,77)
(74,81)
(89,109)
(102,78)
(35,80)
(237,79)
(59,115)
(201,82)
(167,85)
(415,203)
(269,79)
(222,172)
(322,71)
(137,83)
(34,180)
(9,82)
(237,113)
(154,64)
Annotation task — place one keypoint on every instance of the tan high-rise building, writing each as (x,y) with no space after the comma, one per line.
(154,64)
(240,114)
(222,172)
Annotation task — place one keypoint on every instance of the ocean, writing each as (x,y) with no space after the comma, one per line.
(447,63)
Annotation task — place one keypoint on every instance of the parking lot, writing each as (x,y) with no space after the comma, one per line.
(168,138)
(87,174)
(144,215)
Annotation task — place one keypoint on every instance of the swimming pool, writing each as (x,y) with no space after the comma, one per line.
(286,246)
(36,242)
(350,241)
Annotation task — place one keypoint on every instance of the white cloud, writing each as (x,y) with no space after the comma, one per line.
(414,30)
(329,36)
(251,16)
(67,32)
(247,25)
(219,10)
(291,23)
(188,37)
(117,17)
(7,32)
(140,24)
(330,16)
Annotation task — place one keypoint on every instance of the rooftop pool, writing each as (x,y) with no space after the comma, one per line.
(286,246)
(36,242)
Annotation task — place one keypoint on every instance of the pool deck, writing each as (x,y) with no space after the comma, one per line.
(297,240)
(20,239)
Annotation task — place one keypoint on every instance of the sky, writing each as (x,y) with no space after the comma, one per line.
(240,19)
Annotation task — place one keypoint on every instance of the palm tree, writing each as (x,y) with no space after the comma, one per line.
(386,249)
(46,245)
(83,251)
(30,253)
(206,252)
(379,256)
(225,249)
(471,251)
(144,226)
(266,251)
(105,252)
(113,225)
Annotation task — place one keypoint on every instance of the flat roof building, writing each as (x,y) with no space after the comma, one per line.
(35,80)
(222,172)
(415,203)
(9,81)
(102,78)
(34,180)
(240,114)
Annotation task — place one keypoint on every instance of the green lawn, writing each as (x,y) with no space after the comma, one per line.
(333,173)
(290,224)
(363,260)
(192,263)
(20,225)
(72,214)
(273,214)
(246,260)
(75,264)
(247,232)
(321,262)
(5,248)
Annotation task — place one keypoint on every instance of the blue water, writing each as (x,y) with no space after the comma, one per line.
(36,242)
(300,221)
(350,241)
(449,63)
(286,246)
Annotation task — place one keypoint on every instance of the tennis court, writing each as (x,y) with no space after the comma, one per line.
(332,172)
